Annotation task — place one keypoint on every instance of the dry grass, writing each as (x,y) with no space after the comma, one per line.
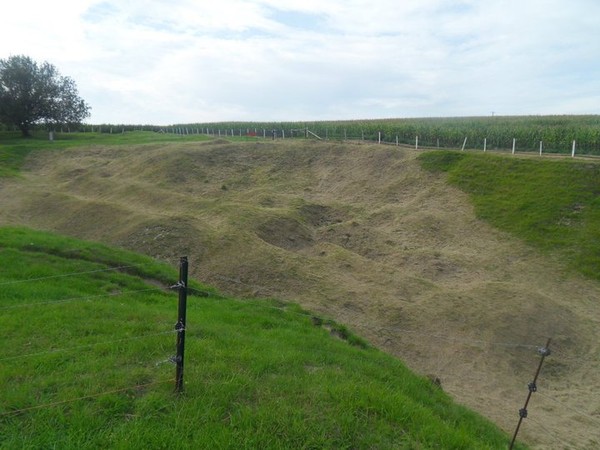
(359,233)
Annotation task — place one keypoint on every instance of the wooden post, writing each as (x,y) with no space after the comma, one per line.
(180,325)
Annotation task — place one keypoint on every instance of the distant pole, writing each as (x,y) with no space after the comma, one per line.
(417,143)
(514,146)
(484,144)
(379,137)
(573,150)
(541,147)
(464,144)
(180,325)
(397,142)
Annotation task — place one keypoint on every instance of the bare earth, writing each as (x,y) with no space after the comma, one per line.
(358,233)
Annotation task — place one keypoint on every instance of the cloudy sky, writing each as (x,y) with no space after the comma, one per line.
(175,61)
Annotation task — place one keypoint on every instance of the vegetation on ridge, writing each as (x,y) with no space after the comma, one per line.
(554,205)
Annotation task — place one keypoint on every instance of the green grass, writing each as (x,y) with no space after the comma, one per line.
(86,354)
(552,204)
(14,149)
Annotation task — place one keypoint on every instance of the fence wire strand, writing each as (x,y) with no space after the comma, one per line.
(62,402)
(570,408)
(74,299)
(72,274)
(79,347)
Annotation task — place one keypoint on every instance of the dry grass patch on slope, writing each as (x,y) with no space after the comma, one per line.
(359,233)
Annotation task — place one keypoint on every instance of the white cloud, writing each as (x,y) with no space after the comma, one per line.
(155,61)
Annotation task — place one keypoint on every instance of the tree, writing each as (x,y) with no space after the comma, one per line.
(32,94)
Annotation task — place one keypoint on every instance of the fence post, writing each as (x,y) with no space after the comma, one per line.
(541,147)
(180,325)
(514,146)
(379,137)
(484,144)
(544,351)
(573,150)
(417,143)
(464,144)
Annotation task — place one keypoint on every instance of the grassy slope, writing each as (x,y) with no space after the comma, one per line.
(14,149)
(259,374)
(553,205)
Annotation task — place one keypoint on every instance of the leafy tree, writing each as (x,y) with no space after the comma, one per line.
(32,94)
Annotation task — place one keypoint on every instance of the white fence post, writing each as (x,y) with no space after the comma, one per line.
(379,137)
(397,141)
(282,133)
(573,150)
(484,144)
(417,143)
(514,145)
(464,144)
(541,147)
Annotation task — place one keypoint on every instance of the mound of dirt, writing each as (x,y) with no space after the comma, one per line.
(358,233)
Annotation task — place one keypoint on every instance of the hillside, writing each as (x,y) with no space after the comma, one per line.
(87,331)
(360,233)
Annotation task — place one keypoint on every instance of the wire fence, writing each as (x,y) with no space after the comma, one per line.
(389,333)
(14,362)
(530,143)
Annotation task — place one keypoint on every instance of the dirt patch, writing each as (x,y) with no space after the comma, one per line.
(321,215)
(286,233)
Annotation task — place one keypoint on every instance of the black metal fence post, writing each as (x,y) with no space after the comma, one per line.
(544,351)
(180,325)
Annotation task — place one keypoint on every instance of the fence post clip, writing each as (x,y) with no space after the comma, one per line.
(179,285)
(544,351)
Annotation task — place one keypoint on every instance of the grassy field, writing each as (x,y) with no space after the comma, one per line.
(365,235)
(83,365)
(14,148)
(553,205)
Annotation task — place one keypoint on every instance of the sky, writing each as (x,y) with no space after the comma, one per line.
(190,61)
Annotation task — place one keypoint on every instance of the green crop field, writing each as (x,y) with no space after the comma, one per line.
(556,132)
(84,365)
